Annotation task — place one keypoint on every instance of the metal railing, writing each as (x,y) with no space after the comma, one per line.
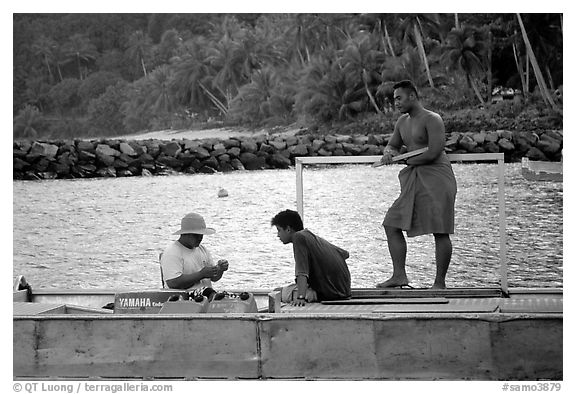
(474,157)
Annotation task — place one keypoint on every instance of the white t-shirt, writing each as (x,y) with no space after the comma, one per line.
(178,259)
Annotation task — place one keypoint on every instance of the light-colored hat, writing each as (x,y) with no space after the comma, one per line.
(194,224)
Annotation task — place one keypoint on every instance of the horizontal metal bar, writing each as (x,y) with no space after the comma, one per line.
(372,159)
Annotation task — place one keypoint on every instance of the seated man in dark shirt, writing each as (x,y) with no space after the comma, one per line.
(321,270)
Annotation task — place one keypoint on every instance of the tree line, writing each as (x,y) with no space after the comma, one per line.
(111,74)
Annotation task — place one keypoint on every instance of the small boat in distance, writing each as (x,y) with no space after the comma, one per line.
(542,170)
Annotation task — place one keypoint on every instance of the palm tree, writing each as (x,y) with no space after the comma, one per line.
(26,123)
(413,27)
(363,62)
(159,98)
(139,45)
(326,92)
(225,59)
(80,49)
(464,51)
(192,77)
(45,48)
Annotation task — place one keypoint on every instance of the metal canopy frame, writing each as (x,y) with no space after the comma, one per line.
(474,157)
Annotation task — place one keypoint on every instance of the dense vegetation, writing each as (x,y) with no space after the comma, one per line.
(78,75)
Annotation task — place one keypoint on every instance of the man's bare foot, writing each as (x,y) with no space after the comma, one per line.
(438,286)
(393,282)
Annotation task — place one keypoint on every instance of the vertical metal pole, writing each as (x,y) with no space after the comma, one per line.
(502,217)
(299,189)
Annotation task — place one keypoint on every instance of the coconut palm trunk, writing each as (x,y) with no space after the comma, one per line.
(537,73)
(420,45)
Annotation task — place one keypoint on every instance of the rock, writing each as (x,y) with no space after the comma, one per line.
(226,167)
(225,158)
(237,164)
(360,140)
(548,146)
(480,137)
(524,138)
(191,144)
(124,173)
(491,147)
(234,152)
(298,150)
(218,152)
(557,135)
(330,139)
(207,170)
(66,146)
(171,148)
(535,154)
(48,151)
(127,149)
(477,149)
(353,149)
(324,152)
(372,150)
(506,134)
(231,143)
(375,139)
(107,172)
(252,162)
(505,144)
(219,146)
(291,141)
(467,143)
(317,144)
(138,148)
(86,156)
(278,144)
(68,158)
(279,161)
(222,193)
(146,172)
(269,149)
(491,136)
(61,169)
(343,138)
(152,147)
(87,146)
(22,145)
(107,160)
(452,141)
(200,153)
(186,158)
(20,153)
(105,150)
(249,146)
(169,161)
(211,162)
(20,165)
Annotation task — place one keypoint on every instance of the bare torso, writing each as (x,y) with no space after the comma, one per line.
(413,129)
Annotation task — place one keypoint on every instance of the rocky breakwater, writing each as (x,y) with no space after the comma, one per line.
(120,158)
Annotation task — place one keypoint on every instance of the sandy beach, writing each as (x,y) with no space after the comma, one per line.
(219,133)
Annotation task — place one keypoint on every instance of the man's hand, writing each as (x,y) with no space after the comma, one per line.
(223,265)
(386,158)
(209,272)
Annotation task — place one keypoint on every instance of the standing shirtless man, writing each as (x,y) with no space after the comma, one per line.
(427,187)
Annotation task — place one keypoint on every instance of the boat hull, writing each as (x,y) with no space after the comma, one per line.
(485,346)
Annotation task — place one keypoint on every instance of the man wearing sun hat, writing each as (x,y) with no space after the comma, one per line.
(185,263)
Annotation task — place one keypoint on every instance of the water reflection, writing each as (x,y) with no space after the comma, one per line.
(107,233)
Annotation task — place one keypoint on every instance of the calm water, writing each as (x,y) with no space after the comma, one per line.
(107,233)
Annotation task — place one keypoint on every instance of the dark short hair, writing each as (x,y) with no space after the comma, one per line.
(288,218)
(407,85)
